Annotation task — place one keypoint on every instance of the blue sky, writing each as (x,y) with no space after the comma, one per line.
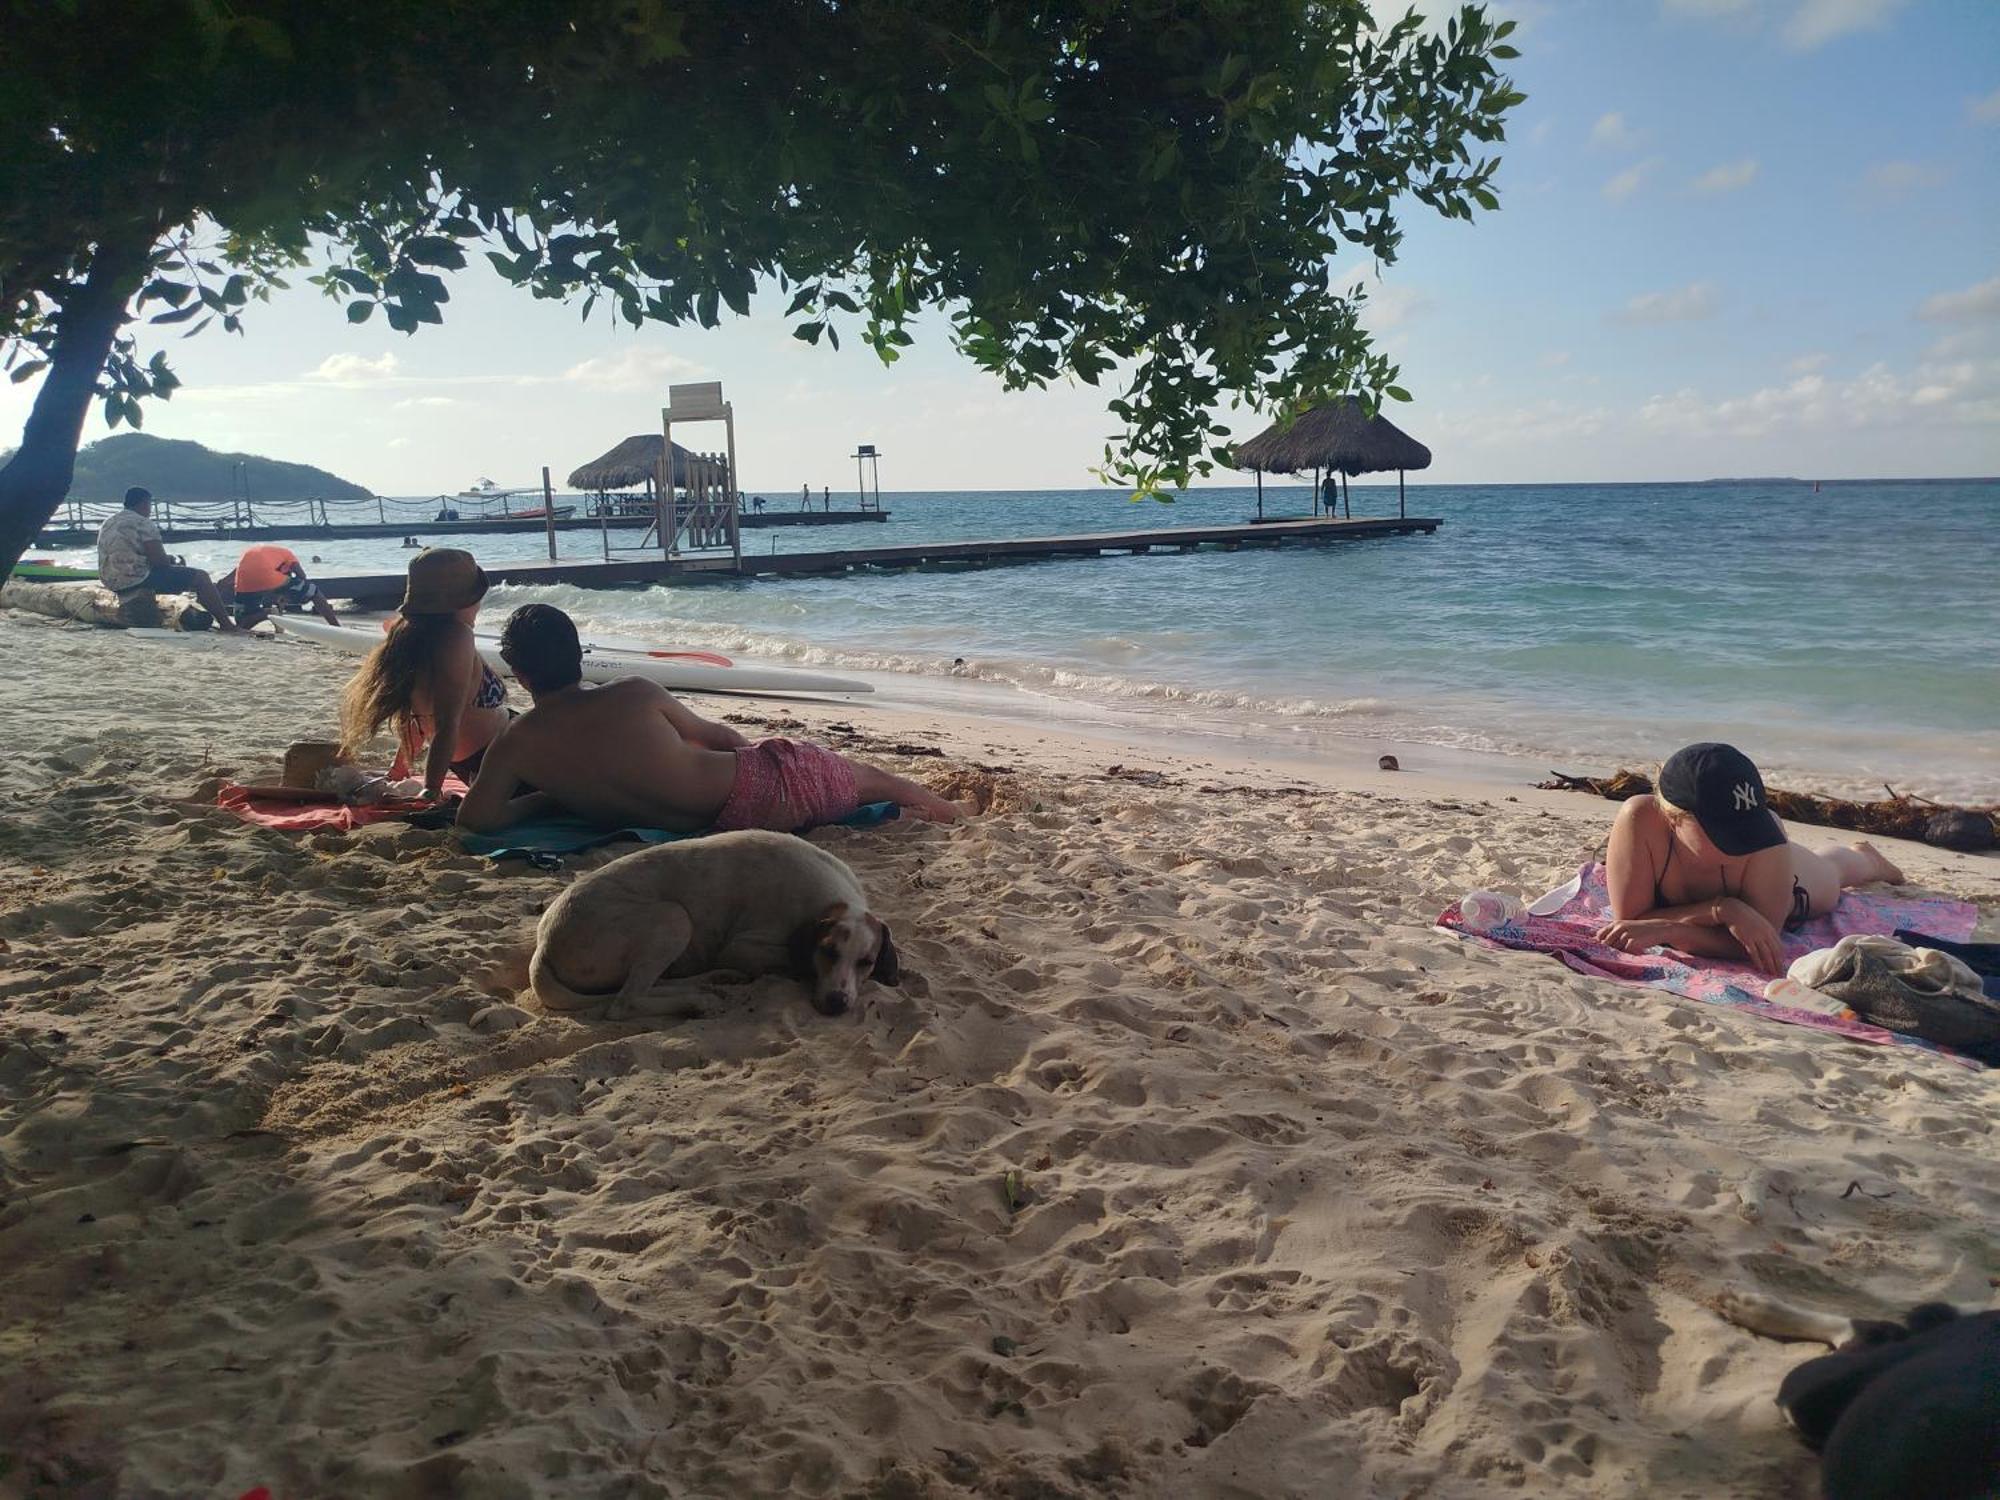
(1736,237)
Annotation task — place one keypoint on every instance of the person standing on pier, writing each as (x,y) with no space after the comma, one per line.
(131,560)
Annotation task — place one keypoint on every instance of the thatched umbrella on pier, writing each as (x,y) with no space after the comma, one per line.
(1339,437)
(635,461)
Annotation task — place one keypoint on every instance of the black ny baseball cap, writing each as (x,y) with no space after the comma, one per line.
(1719,785)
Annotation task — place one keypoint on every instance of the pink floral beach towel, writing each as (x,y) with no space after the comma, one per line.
(1566,932)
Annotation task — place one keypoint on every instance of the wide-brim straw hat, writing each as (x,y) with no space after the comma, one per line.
(305,760)
(443,580)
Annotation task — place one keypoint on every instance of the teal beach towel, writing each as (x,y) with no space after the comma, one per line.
(541,841)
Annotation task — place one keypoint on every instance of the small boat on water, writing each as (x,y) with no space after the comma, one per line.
(538,513)
(486,489)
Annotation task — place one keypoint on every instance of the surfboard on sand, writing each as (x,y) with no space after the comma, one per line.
(691,672)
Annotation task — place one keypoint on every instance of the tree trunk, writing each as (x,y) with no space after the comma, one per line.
(37,478)
(93,605)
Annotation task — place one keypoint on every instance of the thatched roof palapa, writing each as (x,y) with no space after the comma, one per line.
(632,462)
(1340,437)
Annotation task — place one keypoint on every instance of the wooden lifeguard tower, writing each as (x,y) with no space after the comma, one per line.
(703,516)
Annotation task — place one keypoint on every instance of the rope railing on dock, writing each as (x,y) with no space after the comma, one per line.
(242,514)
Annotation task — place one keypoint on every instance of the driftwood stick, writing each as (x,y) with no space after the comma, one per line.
(1896,816)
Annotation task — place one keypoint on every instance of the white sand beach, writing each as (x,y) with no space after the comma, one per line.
(1189,1160)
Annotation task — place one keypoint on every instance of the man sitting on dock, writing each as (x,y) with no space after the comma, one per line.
(130,559)
(630,755)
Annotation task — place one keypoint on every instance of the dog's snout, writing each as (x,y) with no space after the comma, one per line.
(833,1003)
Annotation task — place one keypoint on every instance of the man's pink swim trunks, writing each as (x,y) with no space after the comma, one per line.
(786,785)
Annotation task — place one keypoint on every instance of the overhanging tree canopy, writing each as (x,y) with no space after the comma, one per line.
(1152,187)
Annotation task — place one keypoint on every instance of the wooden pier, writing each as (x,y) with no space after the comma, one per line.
(440,532)
(385,590)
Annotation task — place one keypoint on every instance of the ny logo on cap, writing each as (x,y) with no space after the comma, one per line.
(1746,797)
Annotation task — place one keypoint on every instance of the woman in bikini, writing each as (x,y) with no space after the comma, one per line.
(1703,865)
(426,678)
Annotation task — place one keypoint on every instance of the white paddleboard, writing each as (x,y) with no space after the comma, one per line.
(606,664)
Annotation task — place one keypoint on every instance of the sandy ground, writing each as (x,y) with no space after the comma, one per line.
(1188,1160)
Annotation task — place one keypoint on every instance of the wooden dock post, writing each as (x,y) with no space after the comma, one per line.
(549,510)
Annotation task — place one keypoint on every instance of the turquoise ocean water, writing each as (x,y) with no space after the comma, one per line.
(1845,638)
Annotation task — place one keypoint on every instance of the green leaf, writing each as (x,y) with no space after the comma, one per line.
(435,250)
(1396,393)
(29,370)
(360,312)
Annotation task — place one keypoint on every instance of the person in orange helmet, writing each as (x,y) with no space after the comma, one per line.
(269,578)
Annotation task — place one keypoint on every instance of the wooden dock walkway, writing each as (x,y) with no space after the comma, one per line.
(385,590)
(437,532)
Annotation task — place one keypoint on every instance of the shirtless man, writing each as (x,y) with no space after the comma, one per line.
(629,755)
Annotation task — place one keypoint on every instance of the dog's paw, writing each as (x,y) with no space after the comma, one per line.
(496,1018)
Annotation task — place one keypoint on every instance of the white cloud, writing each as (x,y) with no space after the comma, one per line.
(1975,302)
(1533,426)
(1391,306)
(1817,22)
(1964,393)
(352,370)
(1555,359)
(429,401)
(1727,178)
(1542,130)
(1612,133)
(1683,304)
(1896,179)
(1624,184)
(1807,364)
(1984,111)
(632,369)
(1974,340)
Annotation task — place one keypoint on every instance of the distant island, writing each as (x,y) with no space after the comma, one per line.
(177,470)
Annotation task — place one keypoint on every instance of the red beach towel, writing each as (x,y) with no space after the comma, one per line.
(307,817)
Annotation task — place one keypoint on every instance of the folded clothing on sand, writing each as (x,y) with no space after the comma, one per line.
(303,817)
(1982,958)
(1564,923)
(545,838)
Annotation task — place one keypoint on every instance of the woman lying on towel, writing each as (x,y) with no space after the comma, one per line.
(1704,866)
(426,678)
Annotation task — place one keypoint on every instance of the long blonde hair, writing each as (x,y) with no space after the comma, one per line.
(384,690)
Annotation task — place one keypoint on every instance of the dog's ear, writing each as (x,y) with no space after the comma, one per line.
(807,937)
(887,970)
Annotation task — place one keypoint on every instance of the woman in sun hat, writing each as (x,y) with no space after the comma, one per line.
(1703,865)
(426,678)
